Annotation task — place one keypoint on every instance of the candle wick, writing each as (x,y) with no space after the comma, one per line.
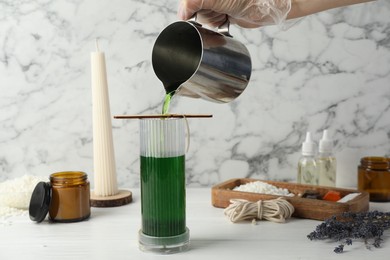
(97,44)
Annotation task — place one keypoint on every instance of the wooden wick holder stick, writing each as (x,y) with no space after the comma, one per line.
(162,116)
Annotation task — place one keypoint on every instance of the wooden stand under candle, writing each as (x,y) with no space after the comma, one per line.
(105,193)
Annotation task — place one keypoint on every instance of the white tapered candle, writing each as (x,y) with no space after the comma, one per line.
(103,148)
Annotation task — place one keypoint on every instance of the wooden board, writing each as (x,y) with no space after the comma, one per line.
(221,195)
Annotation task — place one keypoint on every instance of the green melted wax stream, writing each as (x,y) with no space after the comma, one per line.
(167,102)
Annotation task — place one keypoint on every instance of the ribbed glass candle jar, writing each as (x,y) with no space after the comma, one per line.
(162,162)
(374,177)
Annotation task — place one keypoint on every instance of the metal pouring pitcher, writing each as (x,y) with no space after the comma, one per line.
(197,62)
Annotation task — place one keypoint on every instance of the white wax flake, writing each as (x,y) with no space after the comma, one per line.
(262,187)
(15,194)
(6,212)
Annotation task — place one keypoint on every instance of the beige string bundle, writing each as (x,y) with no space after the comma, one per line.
(276,210)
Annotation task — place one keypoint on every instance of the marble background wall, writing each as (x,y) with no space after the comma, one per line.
(329,70)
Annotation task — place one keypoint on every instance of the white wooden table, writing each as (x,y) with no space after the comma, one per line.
(112,233)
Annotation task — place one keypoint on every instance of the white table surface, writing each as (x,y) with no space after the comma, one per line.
(112,233)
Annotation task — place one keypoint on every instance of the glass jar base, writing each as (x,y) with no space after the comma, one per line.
(164,245)
(56,219)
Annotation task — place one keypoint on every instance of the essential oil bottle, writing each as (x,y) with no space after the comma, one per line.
(307,166)
(326,161)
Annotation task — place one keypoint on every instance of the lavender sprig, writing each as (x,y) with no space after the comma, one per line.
(368,226)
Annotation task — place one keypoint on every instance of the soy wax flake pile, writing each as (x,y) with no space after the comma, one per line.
(263,187)
(15,195)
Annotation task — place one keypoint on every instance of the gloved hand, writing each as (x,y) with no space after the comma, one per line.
(245,13)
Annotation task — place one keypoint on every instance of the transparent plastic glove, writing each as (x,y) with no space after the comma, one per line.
(245,13)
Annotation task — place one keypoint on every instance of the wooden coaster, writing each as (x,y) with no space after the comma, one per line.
(122,198)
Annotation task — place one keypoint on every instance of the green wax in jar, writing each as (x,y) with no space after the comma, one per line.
(163,196)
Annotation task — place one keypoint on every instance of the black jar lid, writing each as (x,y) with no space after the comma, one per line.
(40,201)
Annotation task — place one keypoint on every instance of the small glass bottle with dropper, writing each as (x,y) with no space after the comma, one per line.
(326,161)
(307,167)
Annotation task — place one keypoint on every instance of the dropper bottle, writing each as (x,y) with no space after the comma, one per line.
(307,167)
(326,161)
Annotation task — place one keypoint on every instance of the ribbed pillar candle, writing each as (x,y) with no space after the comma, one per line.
(103,149)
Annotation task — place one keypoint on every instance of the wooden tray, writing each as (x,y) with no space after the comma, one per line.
(221,195)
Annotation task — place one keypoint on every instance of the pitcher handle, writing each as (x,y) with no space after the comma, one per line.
(222,29)
(193,20)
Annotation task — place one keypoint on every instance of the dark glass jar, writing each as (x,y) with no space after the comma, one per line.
(374,177)
(70,200)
